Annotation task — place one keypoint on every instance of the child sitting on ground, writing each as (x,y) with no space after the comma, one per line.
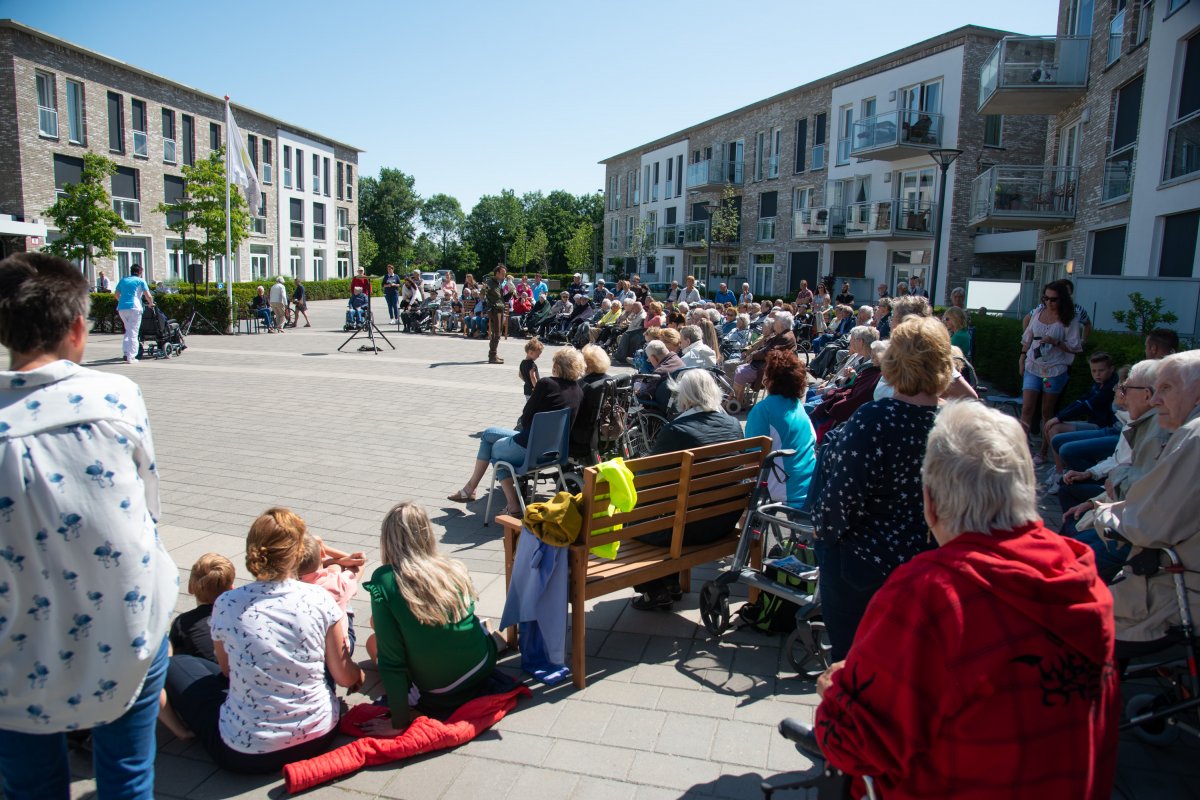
(212,575)
(335,571)
(528,369)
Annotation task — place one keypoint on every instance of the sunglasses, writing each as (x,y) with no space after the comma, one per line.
(1049,298)
(1125,388)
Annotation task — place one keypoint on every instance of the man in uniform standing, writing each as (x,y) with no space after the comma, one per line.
(493,301)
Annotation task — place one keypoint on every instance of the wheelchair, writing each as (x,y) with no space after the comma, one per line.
(830,784)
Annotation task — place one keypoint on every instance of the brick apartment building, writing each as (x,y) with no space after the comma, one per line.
(1117,202)
(59,100)
(832,178)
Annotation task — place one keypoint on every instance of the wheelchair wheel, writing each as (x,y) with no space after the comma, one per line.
(714,608)
(1158,732)
(732,406)
(573,482)
(808,658)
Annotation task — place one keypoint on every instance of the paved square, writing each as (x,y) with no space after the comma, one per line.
(247,422)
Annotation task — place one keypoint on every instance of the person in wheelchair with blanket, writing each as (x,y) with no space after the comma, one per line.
(983,668)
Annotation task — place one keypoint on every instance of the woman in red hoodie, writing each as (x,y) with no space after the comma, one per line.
(983,668)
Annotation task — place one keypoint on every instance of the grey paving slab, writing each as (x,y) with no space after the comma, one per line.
(243,423)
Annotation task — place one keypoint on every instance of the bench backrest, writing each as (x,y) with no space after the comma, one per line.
(675,489)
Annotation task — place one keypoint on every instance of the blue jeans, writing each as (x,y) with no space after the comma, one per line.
(267,317)
(354,316)
(846,587)
(35,765)
(496,444)
(393,304)
(1080,450)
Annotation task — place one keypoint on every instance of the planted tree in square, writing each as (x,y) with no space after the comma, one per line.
(84,216)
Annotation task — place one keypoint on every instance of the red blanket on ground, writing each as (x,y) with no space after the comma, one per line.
(424,735)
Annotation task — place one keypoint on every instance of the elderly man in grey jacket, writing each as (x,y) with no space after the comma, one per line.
(1159,511)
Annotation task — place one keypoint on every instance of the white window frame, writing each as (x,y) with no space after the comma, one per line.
(47,114)
(343,263)
(318,228)
(260,262)
(296,261)
(268,165)
(758,271)
(141,139)
(318,265)
(287,166)
(78,114)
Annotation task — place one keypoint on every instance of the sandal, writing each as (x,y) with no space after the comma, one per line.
(514,512)
(461,497)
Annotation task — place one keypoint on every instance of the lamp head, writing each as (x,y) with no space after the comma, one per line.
(945,157)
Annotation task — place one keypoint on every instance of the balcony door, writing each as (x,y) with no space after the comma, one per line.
(1068,146)
(925,97)
(1079,18)
(916,200)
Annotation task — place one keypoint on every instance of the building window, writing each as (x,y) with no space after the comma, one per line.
(1108,251)
(176,260)
(349,182)
(818,159)
(76,118)
(287,167)
(846,118)
(68,170)
(1118,167)
(173,191)
(170,156)
(325,176)
(116,123)
(768,203)
(214,136)
(1178,257)
(259,223)
(993,125)
(299,170)
(318,265)
(801,144)
(296,261)
(126,198)
(260,261)
(267,177)
(763,280)
(654,184)
(802,197)
(316,174)
(252,150)
(1116,31)
(341,180)
(296,207)
(47,98)
(141,146)
(319,221)
(1183,142)
(343,263)
(189,139)
(343,225)
(1079,17)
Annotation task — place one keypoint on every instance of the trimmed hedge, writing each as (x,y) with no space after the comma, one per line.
(998,346)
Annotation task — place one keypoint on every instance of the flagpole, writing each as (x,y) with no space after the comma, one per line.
(228,224)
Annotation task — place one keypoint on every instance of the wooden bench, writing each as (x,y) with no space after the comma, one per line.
(673,490)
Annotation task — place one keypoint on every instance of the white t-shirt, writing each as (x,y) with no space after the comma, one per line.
(274,635)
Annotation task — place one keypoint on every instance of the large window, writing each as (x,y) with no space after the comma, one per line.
(1118,167)
(296,261)
(993,125)
(287,166)
(47,98)
(188,125)
(763,279)
(343,263)
(341,181)
(1178,257)
(316,173)
(343,225)
(318,265)
(319,221)
(252,150)
(818,155)
(141,146)
(1183,143)
(173,190)
(116,123)
(260,261)
(259,224)
(801,144)
(214,136)
(846,121)
(168,134)
(1108,251)
(68,170)
(296,208)
(76,114)
(299,170)
(325,176)
(266,162)
(126,197)
(1116,31)
(349,182)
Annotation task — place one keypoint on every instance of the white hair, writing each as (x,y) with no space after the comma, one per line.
(681,307)
(691,333)
(786,316)
(865,334)
(1145,373)
(715,316)
(864,309)
(695,388)
(657,349)
(978,470)
(1186,366)
(878,348)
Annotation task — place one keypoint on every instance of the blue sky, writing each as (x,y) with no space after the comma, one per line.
(471,97)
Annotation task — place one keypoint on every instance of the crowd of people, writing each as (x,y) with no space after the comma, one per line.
(977,648)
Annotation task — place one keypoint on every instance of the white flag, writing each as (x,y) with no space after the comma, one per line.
(241,168)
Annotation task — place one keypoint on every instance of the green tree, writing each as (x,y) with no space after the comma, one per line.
(368,251)
(1144,315)
(388,208)
(468,260)
(84,215)
(424,252)
(726,219)
(493,225)
(530,250)
(579,248)
(443,216)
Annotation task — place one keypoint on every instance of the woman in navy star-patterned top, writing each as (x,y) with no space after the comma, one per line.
(868,509)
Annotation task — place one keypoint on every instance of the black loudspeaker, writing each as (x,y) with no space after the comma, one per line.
(195,273)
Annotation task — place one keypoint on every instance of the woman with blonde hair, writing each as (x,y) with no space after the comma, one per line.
(711,338)
(266,701)
(867,511)
(432,651)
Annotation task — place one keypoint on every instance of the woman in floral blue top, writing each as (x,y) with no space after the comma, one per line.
(868,509)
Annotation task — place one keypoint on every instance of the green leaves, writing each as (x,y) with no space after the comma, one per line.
(84,215)
(1144,315)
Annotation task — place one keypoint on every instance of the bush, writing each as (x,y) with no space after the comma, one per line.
(176,306)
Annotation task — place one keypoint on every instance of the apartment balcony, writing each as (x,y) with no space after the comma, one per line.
(714,173)
(890,220)
(670,236)
(1034,74)
(818,224)
(894,135)
(766,229)
(1024,198)
(695,234)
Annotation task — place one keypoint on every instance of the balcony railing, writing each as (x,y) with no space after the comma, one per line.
(670,236)
(821,222)
(669,186)
(1183,148)
(343,234)
(130,210)
(1033,74)
(714,172)
(141,147)
(766,229)
(695,234)
(47,121)
(896,134)
(169,152)
(1118,175)
(886,219)
(1024,197)
(818,161)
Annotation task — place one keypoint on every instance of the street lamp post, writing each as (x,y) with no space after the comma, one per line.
(943,158)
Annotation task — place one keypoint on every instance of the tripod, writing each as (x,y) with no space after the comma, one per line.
(196,315)
(371,329)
